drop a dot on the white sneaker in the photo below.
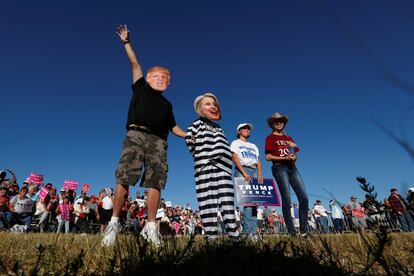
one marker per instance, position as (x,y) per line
(150,233)
(110,233)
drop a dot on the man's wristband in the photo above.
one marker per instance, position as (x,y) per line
(126,42)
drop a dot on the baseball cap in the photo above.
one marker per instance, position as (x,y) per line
(243,125)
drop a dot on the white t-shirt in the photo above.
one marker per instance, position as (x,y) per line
(320,211)
(247,152)
(107,203)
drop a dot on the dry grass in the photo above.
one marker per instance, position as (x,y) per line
(51,254)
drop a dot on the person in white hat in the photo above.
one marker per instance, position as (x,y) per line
(281,150)
(213,167)
(246,159)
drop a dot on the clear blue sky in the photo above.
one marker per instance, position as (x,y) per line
(65,84)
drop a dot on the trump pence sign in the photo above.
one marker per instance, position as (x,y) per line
(251,193)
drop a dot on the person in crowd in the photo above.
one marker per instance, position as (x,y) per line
(32,192)
(390,217)
(238,218)
(82,195)
(294,211)
(410,201)
(107,207)
(373,212)
(337,216)
(260,221)
(282,151)
(93,209)
(4,206)
(71,194)
(42,212)
(2,176)
(150,119)
(132,219)
(321,216)
(245,156)
(64,212)
(212,166)
(356,214)
(13,190)
(81,211)
(62,194)
(21,210)
(49,186)
(399,207)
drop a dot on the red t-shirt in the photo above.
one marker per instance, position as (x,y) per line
(277,145)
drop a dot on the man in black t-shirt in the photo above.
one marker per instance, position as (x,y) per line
(150,119)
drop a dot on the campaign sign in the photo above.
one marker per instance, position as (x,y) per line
(160,213)
(43,193)
(35,178)
(70,185)
(358,213)
(85,187)
(168,204)
(141,202)
(251,193)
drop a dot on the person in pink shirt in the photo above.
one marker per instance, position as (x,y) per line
(65,211)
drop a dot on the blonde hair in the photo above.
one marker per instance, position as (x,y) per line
(158,68)
(199,99)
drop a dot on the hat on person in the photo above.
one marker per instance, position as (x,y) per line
(352,197)
(243,125)
(62,190)
(411,189)
(276,117)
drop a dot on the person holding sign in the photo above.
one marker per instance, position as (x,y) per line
(150,119)
(245,156)
(213,166)
(356,214)
(281,150)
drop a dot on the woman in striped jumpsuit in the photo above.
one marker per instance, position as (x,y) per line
(212,167)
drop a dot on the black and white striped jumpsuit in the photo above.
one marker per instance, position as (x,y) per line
(212,171)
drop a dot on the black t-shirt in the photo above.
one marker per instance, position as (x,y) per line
(150,109)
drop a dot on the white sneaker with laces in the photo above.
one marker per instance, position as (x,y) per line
(110,233)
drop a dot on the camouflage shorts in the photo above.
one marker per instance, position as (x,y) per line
(143,151)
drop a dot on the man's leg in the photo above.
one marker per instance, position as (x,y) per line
(121,194)
(153,202)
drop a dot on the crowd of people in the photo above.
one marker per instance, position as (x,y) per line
(216,163)
(63,211)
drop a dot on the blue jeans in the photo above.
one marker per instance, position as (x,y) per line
(406,222)
(286,176)
(13,218)
(338,224)
(323,222)
(249,212)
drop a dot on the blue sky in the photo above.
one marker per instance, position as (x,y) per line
(65,84)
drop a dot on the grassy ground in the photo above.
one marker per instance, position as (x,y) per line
(51,254)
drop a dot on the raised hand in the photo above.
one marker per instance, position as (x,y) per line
(123,33)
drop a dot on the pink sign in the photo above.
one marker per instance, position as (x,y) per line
(35,178)
(43,193)
(358,213)
(86,187)
(70,185)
